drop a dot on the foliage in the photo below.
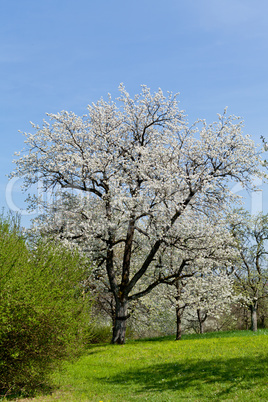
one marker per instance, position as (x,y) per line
(30,342)
(98,333)
(42,311)
(132,177)
(209,367)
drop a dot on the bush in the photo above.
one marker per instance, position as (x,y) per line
(29,344)
(100,334)
(43,311)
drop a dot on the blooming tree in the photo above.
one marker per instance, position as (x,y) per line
(200,270)
(137,168)
(209,294)
(251,235)
(152,315)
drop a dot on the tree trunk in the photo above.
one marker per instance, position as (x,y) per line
(254,320)
(246,319)
(262,321)
(201,320)
(179,312)
(120,324)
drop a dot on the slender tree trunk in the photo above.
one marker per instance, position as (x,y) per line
(179,310)
(262,321)
(201,320)
(201,330)
(246,320)
(254,318)
(120,323)
(179,313)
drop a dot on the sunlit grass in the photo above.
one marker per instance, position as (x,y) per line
(229,366)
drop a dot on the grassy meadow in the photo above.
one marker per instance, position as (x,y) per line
(230,366)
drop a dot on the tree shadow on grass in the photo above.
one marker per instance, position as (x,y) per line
(227,375)
(154,339)
(206,335)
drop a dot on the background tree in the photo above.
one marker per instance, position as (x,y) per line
(251,235)
(208,295)
(263,312)
(204,292)
(152,315)
(138,168)
(196,268)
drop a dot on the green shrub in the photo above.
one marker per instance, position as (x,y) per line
(99,334)
(43,311)
(30,342)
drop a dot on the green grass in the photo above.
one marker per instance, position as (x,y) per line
(230,366)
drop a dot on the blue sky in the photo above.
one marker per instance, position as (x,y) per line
(62,54)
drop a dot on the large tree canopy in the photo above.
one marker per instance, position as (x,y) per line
(141,175)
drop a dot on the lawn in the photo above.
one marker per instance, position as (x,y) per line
(229,366)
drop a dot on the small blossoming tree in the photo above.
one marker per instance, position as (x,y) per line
(251,273)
